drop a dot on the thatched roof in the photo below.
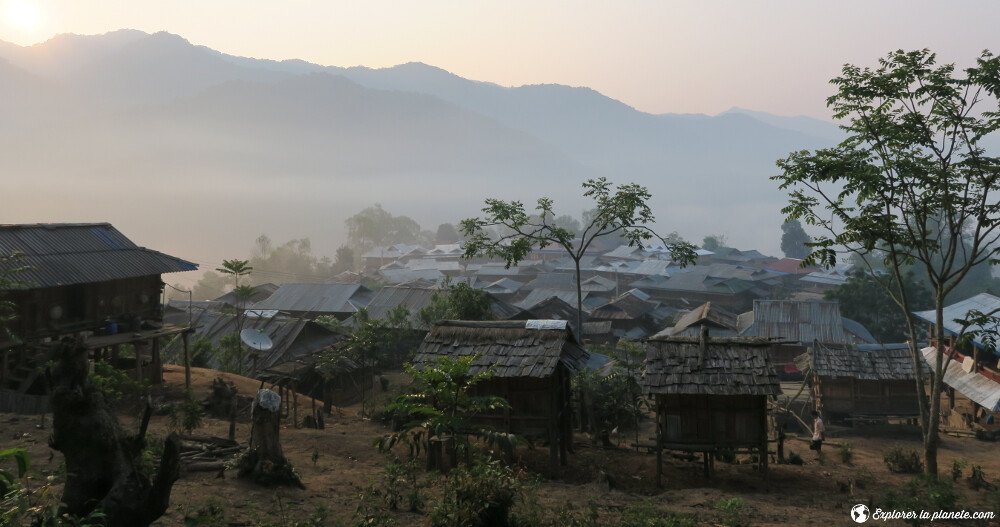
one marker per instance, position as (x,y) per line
(513,348)
(720,366)
(879,363)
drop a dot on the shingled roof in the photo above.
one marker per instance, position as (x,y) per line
(519,348)
(879,363)
(726,366)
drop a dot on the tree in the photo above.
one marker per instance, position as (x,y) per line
(712,242)
(375,227)
(794,240)
(457,301)
(291,262)
(623,211)
(442,408)
(212,285)
(864,298)
(446,234)
(10,265)
(238,269)
(344,260)
(910,185)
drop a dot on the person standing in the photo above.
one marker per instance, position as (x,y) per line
(819,433)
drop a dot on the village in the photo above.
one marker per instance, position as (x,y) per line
(701,375)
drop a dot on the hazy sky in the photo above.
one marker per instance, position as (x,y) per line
(659,56)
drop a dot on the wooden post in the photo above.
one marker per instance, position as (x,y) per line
(232,417)
(114,355)
(138,363)
(187,359)
(3,368)
(295,406)
(659,445)
(157,373)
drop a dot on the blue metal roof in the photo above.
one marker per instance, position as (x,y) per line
(59,254)
(983,302)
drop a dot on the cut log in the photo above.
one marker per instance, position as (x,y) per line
(101,458)
(265,463)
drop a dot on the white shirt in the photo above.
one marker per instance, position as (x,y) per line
(818,429)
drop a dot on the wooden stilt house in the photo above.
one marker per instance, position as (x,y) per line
(532,362)
(711,394)
(863,382)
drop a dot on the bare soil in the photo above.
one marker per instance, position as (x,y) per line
(337,463)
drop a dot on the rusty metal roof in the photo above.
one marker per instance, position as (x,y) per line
(59,254)
(511,348)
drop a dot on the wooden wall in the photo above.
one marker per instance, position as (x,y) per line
(724,421)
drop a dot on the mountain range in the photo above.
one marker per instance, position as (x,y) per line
(196,152)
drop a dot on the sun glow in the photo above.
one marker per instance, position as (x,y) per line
(23,14)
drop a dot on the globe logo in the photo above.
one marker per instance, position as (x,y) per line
(859,513)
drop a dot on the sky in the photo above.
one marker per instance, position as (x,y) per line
(659,56)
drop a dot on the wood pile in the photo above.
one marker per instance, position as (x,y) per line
(208,454)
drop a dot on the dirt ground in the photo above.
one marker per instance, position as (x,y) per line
(336,464)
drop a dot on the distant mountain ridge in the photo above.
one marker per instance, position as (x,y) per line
(148,112)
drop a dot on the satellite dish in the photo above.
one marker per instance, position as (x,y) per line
(256,340)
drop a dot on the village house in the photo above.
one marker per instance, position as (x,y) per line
(83,280)
(972,373)
(711,394)
(531,363)
(864,382)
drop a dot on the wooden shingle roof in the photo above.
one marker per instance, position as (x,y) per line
(722,366)
(881,363)
(513,348)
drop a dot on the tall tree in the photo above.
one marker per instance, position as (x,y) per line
(622,211)
(290,262)
(911,184)
(864,298)
(712,242)
(344,260)
(794,240)
(376,227)
(238,269)
(446,234)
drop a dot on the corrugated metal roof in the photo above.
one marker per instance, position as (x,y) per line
(292,337)
(387,298)
(729,366)
(319,299)
(59,254)
(983,302)
(980,389)
(796,321)
(539,295)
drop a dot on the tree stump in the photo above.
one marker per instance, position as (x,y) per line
(264,463)
(101,458)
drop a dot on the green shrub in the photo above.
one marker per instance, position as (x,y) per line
(977,480)
(480,495)
(732,512)
(903,461)
(645,514)
(921,493)
(846,452)
(116,385)
(957,467)
(187,415)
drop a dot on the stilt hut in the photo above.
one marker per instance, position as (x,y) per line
(532,362)
(710,394)
(864,382)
